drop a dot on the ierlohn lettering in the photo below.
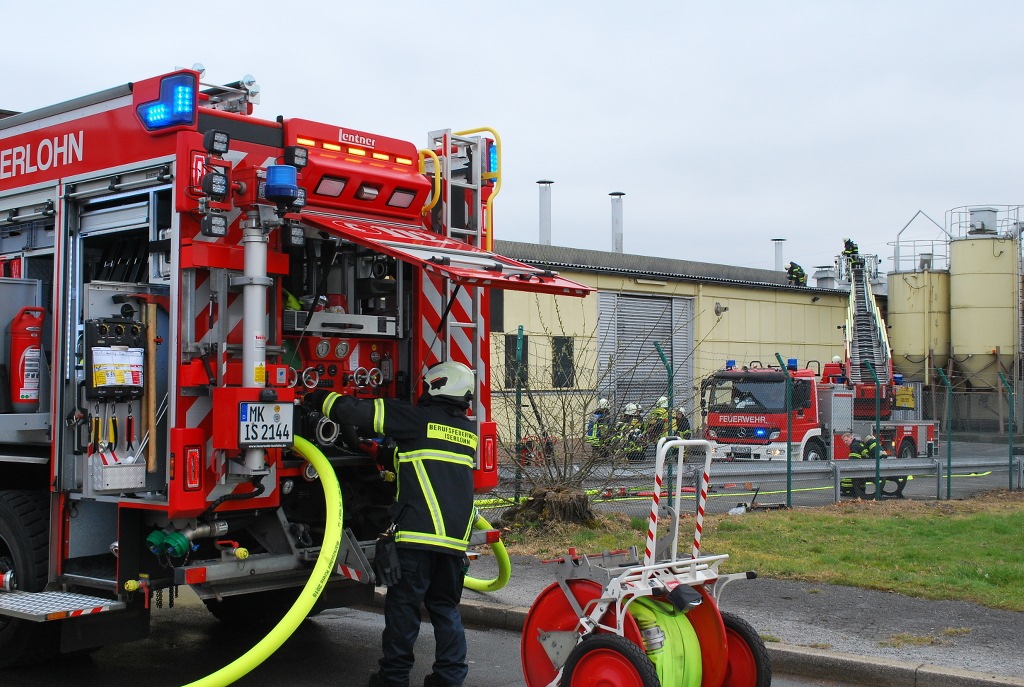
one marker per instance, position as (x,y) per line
(41,155)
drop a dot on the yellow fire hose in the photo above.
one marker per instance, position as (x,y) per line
(321,573)
(500,556)
(317,581)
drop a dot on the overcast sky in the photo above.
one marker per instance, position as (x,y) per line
(725,123)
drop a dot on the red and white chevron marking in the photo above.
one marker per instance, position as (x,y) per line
(351,573)
(87,611)
(652,524)
(702,500)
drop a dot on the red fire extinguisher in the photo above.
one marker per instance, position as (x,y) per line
(24,342)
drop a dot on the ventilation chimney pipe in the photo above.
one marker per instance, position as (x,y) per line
(545,211)
(778,254)
(616,220)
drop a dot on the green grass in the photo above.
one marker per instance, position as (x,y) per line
(969,550)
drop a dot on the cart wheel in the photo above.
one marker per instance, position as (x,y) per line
(748,663)
(552,612)
(609,661)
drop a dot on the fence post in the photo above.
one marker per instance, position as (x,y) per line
(789,432)
(671,384)
(519,413)
(669,409)
(878,431)
(949,432)
(1009,390)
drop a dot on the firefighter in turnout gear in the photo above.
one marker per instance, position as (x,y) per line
(851,253)
(628,436)
(795,275)
(682,427)
(859,448)
(657,422)
(433,515)
(599,427)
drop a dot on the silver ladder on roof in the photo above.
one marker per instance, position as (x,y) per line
(459,215)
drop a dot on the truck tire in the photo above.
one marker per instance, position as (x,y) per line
(815,450)
(24,549)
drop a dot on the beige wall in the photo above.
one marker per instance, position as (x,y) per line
(758,324)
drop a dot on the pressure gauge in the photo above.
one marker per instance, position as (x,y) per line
(341,350)
(375,357)
(323,348)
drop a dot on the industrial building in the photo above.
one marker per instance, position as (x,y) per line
(952,305)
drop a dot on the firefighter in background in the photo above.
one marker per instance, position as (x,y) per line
(628,437)
(656,424)
(851,254)
(795,275)
(599,427)
(682,427)
(859,448)
(433,515)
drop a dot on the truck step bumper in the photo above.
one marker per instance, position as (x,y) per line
(42,606)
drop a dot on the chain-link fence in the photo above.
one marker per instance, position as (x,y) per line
(975,452)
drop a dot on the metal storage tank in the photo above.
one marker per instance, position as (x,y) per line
(919,321)
(984,262)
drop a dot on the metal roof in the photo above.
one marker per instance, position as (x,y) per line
(643,266)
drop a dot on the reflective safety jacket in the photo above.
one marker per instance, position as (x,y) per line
(864,448)
(597,427)
(434,464)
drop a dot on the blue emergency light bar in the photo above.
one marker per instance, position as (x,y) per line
(176,105)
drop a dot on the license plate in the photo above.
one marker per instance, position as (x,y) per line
(265,425)
(741,450)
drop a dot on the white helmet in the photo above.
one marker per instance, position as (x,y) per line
(602,403)
(836,359)
(663,402)
(632,409)
(681,410)
(450,381)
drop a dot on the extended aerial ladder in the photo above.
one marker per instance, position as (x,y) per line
(866,338)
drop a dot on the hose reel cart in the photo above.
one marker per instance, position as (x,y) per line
(618,619)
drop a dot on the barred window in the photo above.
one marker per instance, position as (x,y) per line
(563,369)
(516,371)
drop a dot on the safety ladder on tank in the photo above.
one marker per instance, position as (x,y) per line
(459,216)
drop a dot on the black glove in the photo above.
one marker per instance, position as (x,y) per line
(314,400)
(386,566)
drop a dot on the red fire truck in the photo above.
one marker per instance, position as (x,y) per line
(195,269)
(746,415)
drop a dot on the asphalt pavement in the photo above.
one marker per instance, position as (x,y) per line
(827,631)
